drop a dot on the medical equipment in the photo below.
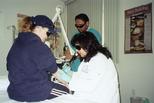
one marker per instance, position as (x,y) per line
(57,16)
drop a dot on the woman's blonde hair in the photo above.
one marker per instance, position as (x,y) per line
(25,25)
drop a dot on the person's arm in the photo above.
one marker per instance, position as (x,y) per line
(56,76)
(43,58)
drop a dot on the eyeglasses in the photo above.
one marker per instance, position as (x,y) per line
(79,26)
(77,47)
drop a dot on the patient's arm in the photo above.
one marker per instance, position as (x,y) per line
(56,75)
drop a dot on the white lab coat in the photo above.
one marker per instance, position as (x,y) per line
(96,80)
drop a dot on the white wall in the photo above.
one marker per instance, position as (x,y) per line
(136,71)
(8,17)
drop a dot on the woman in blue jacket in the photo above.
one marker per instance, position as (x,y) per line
(29,62)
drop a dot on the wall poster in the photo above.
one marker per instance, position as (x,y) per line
(138,29)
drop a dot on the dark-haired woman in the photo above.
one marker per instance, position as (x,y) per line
(96,79)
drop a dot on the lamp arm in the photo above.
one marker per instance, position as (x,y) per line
(57,15)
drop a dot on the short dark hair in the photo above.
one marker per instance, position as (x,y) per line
(82,16)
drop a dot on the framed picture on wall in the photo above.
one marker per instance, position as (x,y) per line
(138,29)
